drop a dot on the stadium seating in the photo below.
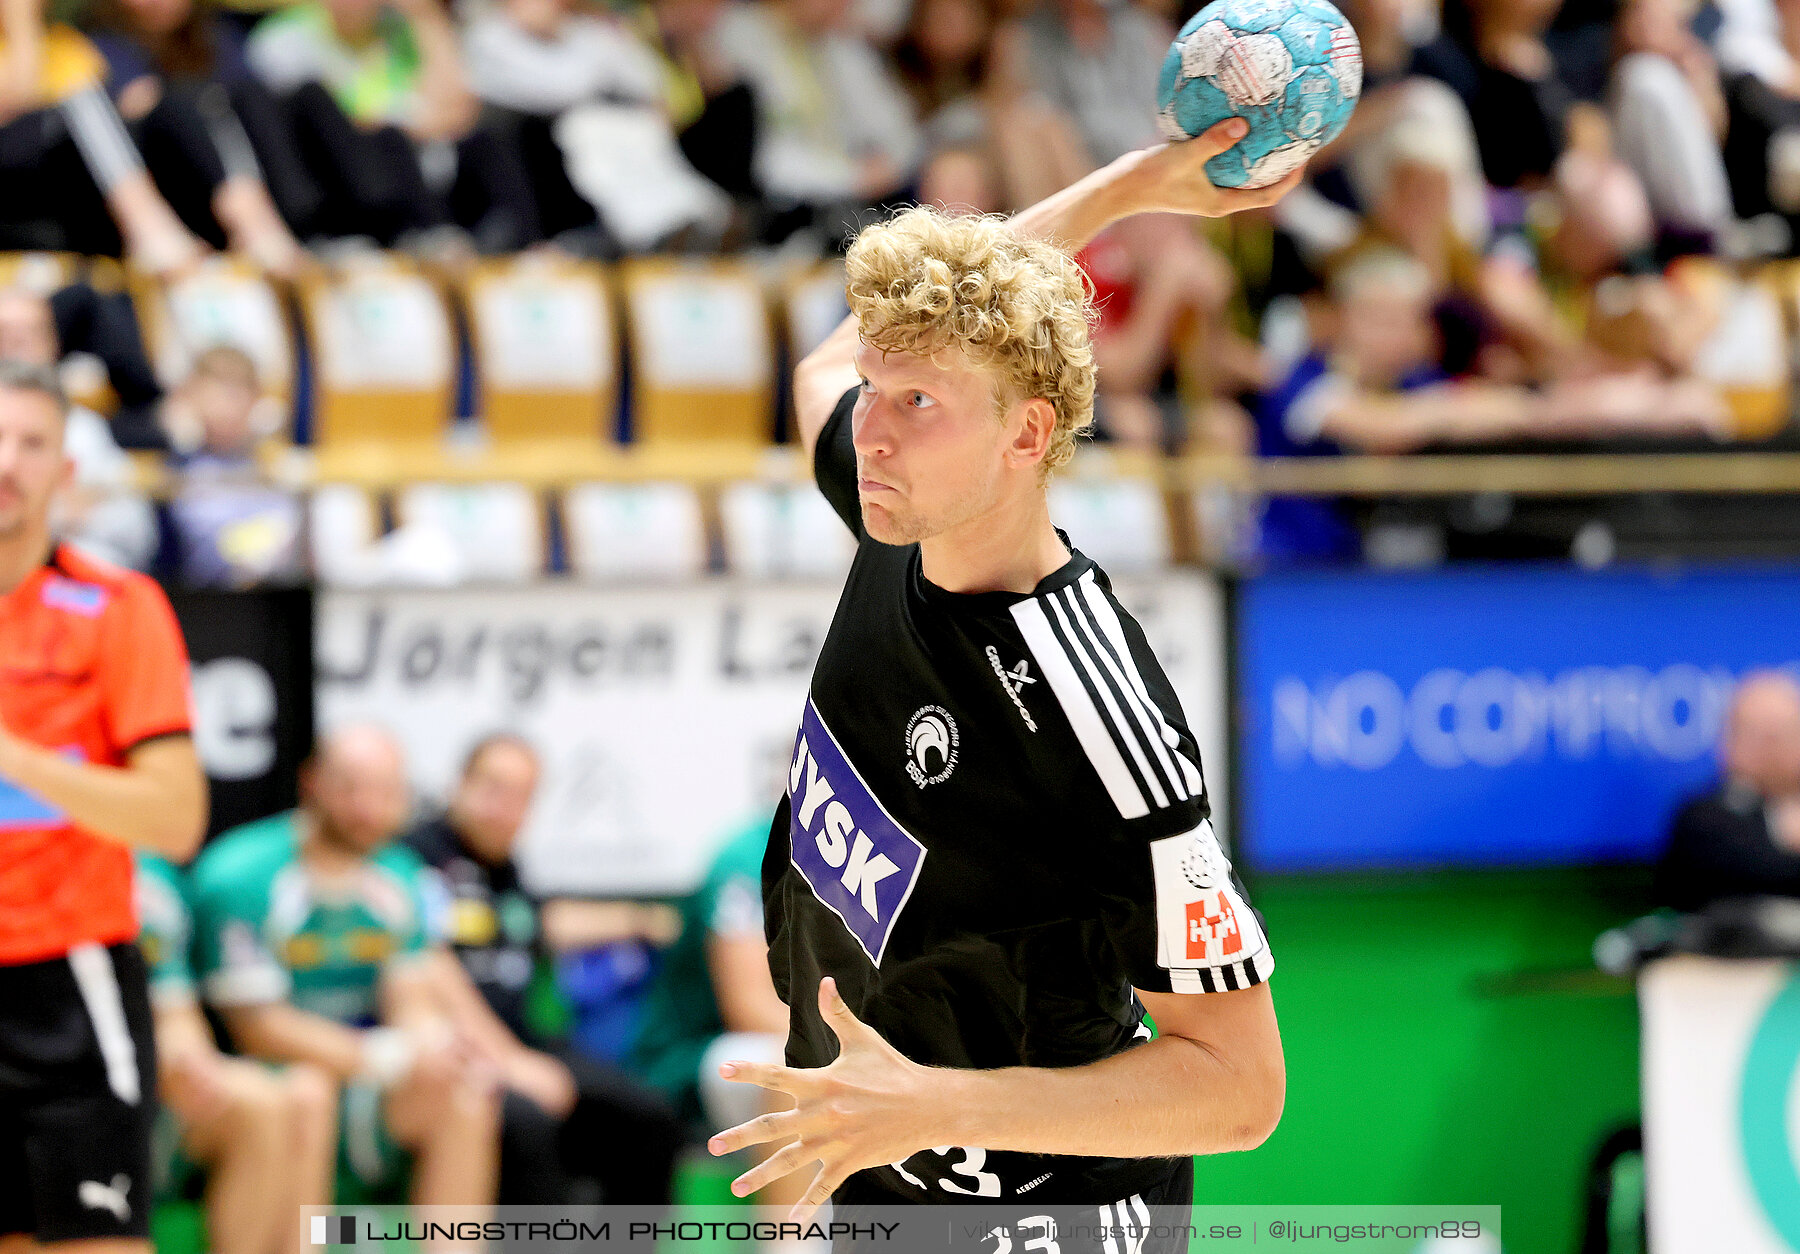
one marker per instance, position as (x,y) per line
(546,348)
(224,301)
(650,531)
(493,531)
(343,525)
(38,272)
(701,358)
(384,353)
(782,531)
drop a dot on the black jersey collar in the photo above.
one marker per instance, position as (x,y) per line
(999,602)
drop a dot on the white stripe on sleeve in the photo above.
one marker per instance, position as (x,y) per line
(1072,695)
(1108,619)
(1083,648)
(1118,663)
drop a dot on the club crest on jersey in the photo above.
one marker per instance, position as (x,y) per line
(857,860)
(931,745)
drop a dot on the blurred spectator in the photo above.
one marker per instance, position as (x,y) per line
(1161,292)
(1742,838)
(580,97)
(100,511)
(265,1136)
(714,1001)
(566,1117)
(233,528)
(1494,56)
(1411,177)
(993,144)
(1594,313)
(74,179)
(380,101)
(1756,42)
(705,96)
(1669,116)
(1408,165)
(1362,392)
(1095,61)
(101,321)
(178,77)
(312,943)
(836,132)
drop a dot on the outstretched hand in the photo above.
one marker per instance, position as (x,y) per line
(870,1107)
(1171,178)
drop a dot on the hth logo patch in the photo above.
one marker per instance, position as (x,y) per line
(857,860)
(1213,935)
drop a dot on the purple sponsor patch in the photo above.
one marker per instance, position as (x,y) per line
(85,599)
(858,861)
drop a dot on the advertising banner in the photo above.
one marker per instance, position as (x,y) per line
(666,716)
(252,684)
(1721,1048)
(1489,716)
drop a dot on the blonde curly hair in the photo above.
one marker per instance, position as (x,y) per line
(924,282)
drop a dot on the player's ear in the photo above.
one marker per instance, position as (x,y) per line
(1036,418)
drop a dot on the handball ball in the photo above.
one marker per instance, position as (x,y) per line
(1292,69)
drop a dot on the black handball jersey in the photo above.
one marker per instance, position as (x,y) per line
(995,828)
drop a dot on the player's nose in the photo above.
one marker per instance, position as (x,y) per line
(872,435)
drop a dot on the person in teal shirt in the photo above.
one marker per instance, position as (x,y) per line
(713,999)
(265,1136)
(313,941)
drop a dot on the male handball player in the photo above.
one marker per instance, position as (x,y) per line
(995,854)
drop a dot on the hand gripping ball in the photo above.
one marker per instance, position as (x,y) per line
(1292,69)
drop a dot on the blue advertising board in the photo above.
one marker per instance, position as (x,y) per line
(1489,716)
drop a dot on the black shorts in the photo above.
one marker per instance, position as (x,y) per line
(1153,1220)
(77,1095)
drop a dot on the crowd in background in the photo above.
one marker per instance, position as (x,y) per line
(1547,222)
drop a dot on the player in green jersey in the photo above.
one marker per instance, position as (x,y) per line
(312,942)
(265,1137)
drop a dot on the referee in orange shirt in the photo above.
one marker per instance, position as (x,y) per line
(96,759)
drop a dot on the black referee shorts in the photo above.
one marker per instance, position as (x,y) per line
(77,1095)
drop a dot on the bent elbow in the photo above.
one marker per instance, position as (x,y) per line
(178,837)
(1261,1113)
(1273,1100)
(1252,1133)
(184,841)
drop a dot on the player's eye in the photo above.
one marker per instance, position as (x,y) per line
(864,386)
(920,401)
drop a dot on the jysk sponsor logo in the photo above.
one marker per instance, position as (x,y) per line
(857,860)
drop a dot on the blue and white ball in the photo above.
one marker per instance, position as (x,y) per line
(1291,68)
